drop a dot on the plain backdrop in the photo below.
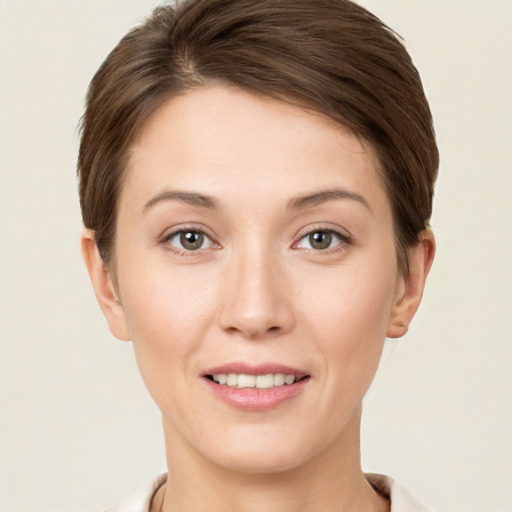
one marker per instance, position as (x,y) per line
(77,428)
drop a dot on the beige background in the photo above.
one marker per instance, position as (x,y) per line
(77,428)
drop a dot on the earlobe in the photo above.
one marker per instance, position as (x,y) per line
(412,285)
(103,286)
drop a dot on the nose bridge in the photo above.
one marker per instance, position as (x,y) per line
(255,304)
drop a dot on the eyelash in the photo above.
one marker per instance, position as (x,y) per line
(342,240)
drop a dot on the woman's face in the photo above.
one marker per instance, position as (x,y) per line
(254,239)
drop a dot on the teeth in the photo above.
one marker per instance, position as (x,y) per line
(246,381)
(289,379)
(242,380)
(265,381)
(279,379)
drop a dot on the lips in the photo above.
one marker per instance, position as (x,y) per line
(255,388)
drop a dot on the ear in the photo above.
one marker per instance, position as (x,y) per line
(104,288)
(411,286)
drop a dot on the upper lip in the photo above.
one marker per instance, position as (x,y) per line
(258,369)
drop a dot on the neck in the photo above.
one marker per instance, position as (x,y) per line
(331,481)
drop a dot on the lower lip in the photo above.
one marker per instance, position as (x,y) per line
(254,399)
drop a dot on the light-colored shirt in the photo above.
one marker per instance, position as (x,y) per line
(401,500)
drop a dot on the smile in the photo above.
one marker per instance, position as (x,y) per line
(255,388)
(242,380)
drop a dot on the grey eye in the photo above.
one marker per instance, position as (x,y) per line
(320,240)
(190,240)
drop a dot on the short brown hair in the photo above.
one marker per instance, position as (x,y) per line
(332,56)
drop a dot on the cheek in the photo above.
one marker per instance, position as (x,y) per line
(168,313)
(348,316)
(356,297)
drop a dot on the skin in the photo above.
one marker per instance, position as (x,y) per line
(257,291)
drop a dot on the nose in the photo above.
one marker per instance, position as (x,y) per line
(257,301)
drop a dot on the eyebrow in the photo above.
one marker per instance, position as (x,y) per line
(182,196)
(302,202)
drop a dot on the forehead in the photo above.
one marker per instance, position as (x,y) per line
(224,140)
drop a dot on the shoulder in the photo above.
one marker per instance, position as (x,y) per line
(140,500)
(401,499)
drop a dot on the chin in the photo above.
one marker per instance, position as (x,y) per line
(264,452)
(263,460)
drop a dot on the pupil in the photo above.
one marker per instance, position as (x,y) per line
(320,240)
(192,240)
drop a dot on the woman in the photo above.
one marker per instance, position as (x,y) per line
(256,182)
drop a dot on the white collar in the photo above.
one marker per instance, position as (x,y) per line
(401,499)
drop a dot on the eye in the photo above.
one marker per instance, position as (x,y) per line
(189,240)
(321,240)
